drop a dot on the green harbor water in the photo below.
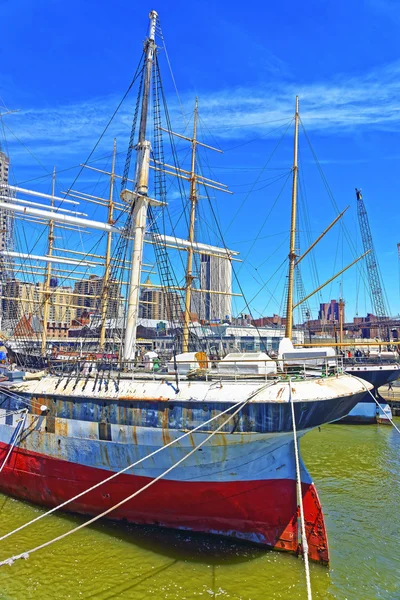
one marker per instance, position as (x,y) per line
(357,473)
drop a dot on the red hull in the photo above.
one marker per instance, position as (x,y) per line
(263,512)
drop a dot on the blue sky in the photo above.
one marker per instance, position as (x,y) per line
(66,65)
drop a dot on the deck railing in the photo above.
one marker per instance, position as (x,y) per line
(210,369)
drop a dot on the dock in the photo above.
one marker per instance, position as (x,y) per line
(392,395)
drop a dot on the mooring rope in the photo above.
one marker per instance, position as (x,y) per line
(25,555)
(300,498)
(16,435)
(238,405)
(114,475)
(15,396)
(131,466)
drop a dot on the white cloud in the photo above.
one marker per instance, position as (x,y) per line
(343,104)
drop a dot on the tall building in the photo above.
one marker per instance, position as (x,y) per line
(6,217)
(6,228)
(215,275)
(329,311)
(90,293)
(159,304)
(20,298)
(269,321)
(61,305)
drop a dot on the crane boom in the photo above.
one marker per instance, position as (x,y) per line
(371,260)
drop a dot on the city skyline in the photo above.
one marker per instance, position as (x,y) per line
(348,114)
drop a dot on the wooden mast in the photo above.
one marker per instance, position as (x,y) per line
(292,253)
(106,281)
(189,266)
(191,245)
(46,303)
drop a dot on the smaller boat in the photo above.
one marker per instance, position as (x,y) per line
(377,372)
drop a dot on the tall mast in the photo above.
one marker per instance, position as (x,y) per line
(341,319)
(189,266)
(140,200)
(106,281)
(292,252)
(46,295)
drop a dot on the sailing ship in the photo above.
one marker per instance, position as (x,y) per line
(212,449)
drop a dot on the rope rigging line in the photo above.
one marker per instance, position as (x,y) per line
(131,144)
(266,219)
(26,147)
(262,237)
(62,279)
(273,253)
(268,182)
(160,34)
(305,217)
(221,128)
(94,249)
(182,191)
(300,498)
(181,187)
(11,412)
(136,75)
(166,272)
(26,555)
(214,139)
(138,71)
(335,261)
(114,475)
(265,284)
(122,248)
(102,157)
(304,308)
(334,204)
(233,270)
(258,177)
(273,293)
(14,396)
(259,137)
(28,343)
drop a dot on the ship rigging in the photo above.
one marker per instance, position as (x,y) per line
(104,417)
